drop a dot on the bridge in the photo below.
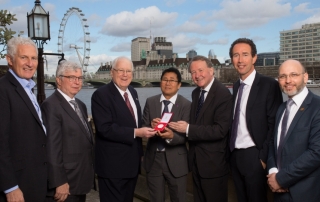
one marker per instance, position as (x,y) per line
(136,82)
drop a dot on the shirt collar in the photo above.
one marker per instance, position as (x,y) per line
(23,82)
(172,99)
(209,85)
(249,80)
(121,91)
(65,95)
(299,98)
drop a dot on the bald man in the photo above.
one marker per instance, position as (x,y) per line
(294,152)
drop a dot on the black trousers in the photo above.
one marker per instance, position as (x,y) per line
(116,190)
(248,175)
(70,198)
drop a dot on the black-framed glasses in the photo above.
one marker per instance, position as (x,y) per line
(168,81)
(122,71)
(292,76)
(74,78)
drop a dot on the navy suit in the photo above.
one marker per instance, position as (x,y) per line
(300,156)
(22,143)
(118,153)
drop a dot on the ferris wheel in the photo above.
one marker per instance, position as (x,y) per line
(75,35)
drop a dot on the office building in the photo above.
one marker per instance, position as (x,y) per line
(139,47)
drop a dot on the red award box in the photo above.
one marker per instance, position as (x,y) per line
(166,117)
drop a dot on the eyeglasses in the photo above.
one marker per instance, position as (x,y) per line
(291,76)
(74,78)
(168,81)
(122,71)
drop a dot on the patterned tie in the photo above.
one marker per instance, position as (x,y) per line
(77,110)
(129,105)
(235,122)
(161,141)
(200,102)
(284,128)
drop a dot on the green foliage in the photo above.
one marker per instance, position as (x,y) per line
(5,33)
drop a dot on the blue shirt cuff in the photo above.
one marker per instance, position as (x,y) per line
(12,189)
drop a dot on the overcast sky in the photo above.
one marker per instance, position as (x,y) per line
(202,25)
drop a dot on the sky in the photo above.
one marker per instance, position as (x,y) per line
(202,25)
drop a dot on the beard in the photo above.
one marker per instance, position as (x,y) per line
(293,92)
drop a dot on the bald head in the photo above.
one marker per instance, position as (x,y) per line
(292,77)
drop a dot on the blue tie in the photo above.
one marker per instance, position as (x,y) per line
(200,102)
(235,123)
(161,142)
(284,128)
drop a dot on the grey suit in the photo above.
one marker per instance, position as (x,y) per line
(175,151)
(69,146)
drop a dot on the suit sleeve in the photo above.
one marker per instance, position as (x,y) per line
(109,120)
(146,119)
(52,120)
(220,120)
(274,101)
(7,171)
(308,161)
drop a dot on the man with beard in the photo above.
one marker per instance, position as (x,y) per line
(294,152)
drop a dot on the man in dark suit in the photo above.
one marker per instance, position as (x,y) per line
(256,99)
(70,139)
(117,116)
(210,118)
(294,153)
(23,170)
(165,159)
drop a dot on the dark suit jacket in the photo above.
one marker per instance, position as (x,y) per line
(118,153)
(264,99)
(300,156)
(176,150)
(22,143)
(209,133)
(70,150)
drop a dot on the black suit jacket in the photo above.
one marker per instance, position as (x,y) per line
(300,155)
(264,99)
(70,148)
(209,133)
(118,153)
(176,150)
(22,143)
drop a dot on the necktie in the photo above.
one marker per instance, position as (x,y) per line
(129,105)
(235,122)
(284,128)
(161,142)
(77,110)
(200,102)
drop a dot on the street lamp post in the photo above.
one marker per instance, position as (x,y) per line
(39,30)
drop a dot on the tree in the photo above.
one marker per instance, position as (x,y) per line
(5,33)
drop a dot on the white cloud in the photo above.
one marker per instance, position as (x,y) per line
(312,19)
(221,41)
(199,16)
(182,43)
(250,13)
(302,8)
(95,20)
(137,23)
(192,27)
(121,47)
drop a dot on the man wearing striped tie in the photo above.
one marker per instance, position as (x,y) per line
(207,133)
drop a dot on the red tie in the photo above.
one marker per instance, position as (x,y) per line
(129,105)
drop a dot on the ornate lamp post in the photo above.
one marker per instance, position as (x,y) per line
(39,30)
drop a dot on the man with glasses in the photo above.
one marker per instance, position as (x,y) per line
(69,138)
(294,152)
(117,116)
(165,159)
(256,100)
(207,133)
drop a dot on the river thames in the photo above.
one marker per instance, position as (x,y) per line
(85,94)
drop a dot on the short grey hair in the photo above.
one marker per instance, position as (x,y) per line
(200,58)
(66,66)
(14,42)
(115,61)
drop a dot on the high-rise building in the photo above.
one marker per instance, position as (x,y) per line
(139,47)
(267,59)
(162,47)
(301,44)
(192,53)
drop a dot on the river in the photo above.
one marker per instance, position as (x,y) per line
(85,94)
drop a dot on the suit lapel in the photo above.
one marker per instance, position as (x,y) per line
(22,93)
(175,108)
(136,101)
(158,106)
(252,98)
(278,118)
(194,105)
(208,100)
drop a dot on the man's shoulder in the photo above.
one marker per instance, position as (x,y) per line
(266,79)
(155,97)
(182,99)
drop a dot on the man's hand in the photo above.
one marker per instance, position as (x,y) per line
(144,132)
(263,164)
(274,185)
(15,196)
(62,192)
(179,126)
(166,133)
(154,122)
